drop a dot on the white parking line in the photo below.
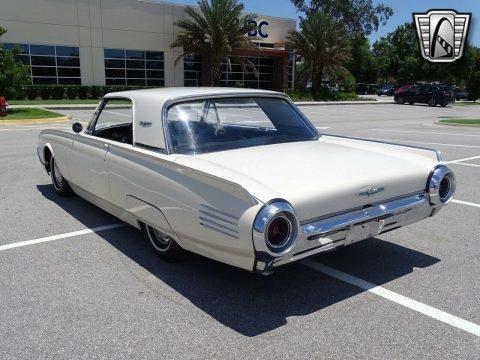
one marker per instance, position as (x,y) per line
(462,160)
(61,236)
(425,132)
(116,113)
(323,127)
(461,202)
(464,164)
(422,142)
(424,309)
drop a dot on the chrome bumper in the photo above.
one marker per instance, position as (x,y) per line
(348,228)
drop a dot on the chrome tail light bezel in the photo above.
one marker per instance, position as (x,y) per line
(274,210)
(440,177)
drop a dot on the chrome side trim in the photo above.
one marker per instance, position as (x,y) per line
(322,227)
(219,211)
(438,153)
(218,230)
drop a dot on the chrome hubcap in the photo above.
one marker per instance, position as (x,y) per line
(160,240)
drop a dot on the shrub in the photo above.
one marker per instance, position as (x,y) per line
(57,92)
(72,92)
(45,92)
(95,92)
(82,92)
(30,92)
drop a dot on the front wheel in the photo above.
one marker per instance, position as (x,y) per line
(411,102)
(164,245)
(444,104)
(432,102)
(400,100)
(60,184)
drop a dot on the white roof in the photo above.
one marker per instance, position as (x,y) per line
(148,107)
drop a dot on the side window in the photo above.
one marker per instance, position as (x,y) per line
(115,121)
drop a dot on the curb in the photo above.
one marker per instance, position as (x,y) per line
(35,121)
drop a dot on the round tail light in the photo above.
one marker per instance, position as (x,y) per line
(279,232)
(275,229)
(441,186)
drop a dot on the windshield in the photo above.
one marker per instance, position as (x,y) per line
(224,124)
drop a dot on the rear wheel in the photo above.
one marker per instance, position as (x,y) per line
(164,245)
(432,102)
(400,100)
(60,184)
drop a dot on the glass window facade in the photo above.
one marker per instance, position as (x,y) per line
(134,67)
(240,75)
(192,67)
(234,75)
(50,64)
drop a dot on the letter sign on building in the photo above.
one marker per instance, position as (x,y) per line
(259,29)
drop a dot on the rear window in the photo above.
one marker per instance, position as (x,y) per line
(223,124)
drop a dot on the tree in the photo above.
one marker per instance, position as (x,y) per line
(359,16)
(214,31)
(399,59)
(13,73)
(398,55)
(323,44)
(362,65)
(473,82)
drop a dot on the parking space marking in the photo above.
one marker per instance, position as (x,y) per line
(462,160)
(61,236)
(461,202)
(422,308)
(422,142)
(323,127)
(464,164)
(425,132)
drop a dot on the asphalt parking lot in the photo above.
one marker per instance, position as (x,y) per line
(95,290)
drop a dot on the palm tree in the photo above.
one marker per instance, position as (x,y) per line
(323,44)
(214,31)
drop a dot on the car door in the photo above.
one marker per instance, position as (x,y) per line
(420,94)
(89,155)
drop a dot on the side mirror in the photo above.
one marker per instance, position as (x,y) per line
(77,127)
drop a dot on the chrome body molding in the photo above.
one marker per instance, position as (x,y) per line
(348,228)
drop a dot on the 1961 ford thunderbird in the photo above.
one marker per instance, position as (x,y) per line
(240,176)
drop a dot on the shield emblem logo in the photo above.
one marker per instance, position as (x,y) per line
(442,34)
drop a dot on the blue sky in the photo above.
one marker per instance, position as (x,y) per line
(402,11)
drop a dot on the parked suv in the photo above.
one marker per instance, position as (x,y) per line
(426,94)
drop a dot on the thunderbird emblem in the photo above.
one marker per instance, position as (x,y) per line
(145,124)
(369,191)
(442,34)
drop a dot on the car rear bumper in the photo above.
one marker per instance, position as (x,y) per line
(345,229)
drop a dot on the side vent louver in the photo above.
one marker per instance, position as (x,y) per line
(219,221)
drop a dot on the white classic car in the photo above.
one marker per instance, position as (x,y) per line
(240,176)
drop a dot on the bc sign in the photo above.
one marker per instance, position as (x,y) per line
(260,29)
